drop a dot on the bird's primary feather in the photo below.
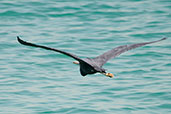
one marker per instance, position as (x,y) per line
(102,59)
(48,48)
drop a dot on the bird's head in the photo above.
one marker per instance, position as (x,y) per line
(76,62)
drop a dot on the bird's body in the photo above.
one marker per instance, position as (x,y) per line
(93,65)
(89,66)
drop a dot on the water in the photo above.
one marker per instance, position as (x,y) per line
(37,81)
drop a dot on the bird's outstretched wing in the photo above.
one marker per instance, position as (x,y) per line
(102,59)
(48,48)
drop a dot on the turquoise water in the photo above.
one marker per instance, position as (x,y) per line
(37,81)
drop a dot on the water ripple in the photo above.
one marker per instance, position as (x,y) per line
(39,81)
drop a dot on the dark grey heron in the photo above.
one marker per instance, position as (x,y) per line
(93,65)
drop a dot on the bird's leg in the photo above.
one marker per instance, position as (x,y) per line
(76,62)
(108,74)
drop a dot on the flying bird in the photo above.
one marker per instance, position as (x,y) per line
(93,65)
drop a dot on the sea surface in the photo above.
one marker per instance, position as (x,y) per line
(37,81)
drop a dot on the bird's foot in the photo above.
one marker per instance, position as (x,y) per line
(108,75)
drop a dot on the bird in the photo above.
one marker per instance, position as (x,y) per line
(93,65)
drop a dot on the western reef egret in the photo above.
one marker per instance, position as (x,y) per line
(93,65)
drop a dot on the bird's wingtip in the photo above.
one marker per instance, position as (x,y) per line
(164,38)
(18,38)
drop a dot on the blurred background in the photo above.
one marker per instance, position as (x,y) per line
(37,81)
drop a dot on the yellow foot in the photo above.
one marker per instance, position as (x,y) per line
(108,75)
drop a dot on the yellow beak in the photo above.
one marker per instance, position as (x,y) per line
(76,62)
